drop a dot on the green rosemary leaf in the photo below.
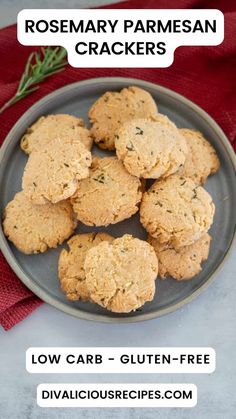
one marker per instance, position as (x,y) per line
(51,56)
(39,66)
(25,75)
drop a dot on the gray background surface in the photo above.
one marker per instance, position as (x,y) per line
(207,321)
(10,8)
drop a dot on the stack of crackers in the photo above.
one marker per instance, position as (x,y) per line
(64,185)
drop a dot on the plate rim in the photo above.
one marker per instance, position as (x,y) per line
(77,312)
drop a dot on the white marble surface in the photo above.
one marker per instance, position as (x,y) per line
(207,321)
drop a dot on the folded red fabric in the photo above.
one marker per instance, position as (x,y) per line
(205,75)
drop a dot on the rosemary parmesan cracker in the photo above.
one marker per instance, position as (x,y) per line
(112,109)
(51,128)
(201,160)
(183,263)
(52,174)
(71,264)
(176,211)
(35,228)
(120,275)
(151,148)
(109,195)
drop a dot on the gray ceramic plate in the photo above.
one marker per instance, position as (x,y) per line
(39,272)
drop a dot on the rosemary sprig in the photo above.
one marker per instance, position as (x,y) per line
(38,67)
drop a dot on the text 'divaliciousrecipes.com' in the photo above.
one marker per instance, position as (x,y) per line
(116,395)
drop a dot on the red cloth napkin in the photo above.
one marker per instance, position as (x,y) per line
(205,75)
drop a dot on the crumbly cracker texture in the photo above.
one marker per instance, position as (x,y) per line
(35,228)
(109,195)
(184,263)
(151,148)
(120,276)
(52,174)
(176,211)
(71,264)
(201,160)
(112,109)
(50,128)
